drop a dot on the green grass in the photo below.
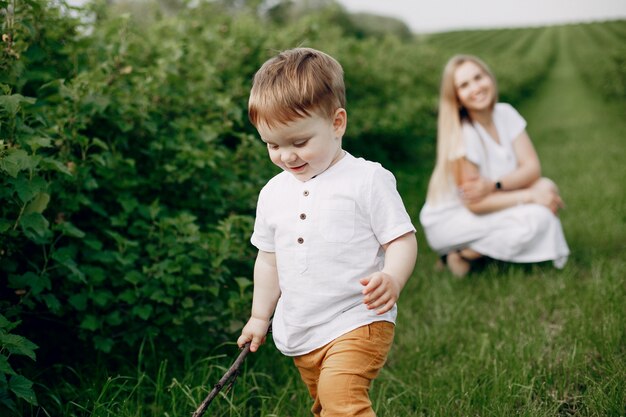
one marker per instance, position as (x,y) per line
(529,340)
(512,340)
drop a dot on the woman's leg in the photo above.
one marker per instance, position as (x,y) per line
(457,265)
(460,261)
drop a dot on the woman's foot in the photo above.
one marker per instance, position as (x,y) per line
(458,265)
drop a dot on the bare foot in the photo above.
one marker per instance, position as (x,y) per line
(470,254)
(457,265)
(440,266)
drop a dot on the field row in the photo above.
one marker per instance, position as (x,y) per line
(599,51)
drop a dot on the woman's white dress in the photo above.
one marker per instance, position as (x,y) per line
(524,233)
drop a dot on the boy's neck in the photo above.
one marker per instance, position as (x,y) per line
(340,155)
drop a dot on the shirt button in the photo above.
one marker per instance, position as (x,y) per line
(303,216)
(306,193)
(300,240)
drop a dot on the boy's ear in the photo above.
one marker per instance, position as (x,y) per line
(340,122)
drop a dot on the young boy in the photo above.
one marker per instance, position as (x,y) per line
(336,244)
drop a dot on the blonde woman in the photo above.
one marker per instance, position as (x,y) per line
(486,196)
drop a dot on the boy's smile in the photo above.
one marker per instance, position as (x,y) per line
(306,147)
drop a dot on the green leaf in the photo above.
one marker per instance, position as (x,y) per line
(214,290)
(35,282)
(195,269)
(38,204)
(102,297)
(55,87)
(40,283)
(78,301)
(38,142)
(103,343)
(128,203)
(100,144)
(90,322)
(35,227)
(52,302)
(18,345)
(143,311)
(93,244)
(243,283)
(94,275)
(187,302)
(54,165)
(128,296)
(6,324)
(29,189)
(161,297)
(5,367)
(68,229)
(23,388)
(65,256)
(114,318)
(11,104)
(134,277)
(96,103)
(15,161)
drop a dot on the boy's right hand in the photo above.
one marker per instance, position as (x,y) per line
(254,332)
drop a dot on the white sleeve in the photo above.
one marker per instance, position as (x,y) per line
(511,121)
(388,216)
(263,235)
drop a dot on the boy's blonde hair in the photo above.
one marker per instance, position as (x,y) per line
(294,84)
(449,132)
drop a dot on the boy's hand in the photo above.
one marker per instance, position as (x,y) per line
(254,332)
(381,290)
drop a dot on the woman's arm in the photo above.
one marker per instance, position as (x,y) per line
(489,200)
(528,171)
(542,191)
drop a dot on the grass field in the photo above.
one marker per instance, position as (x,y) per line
(529,340)
(512,340)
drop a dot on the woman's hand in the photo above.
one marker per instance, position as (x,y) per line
(474,190)
(546,193)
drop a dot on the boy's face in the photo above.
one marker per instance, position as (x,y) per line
(308,146)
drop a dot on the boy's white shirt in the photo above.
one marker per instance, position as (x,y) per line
(342,217)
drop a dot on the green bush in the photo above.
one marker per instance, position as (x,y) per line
(129,186)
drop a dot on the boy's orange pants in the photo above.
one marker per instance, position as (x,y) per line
(339,374)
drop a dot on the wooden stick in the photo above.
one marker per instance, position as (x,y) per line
(229,378)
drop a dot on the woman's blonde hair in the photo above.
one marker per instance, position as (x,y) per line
(295,83)
(449,133)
